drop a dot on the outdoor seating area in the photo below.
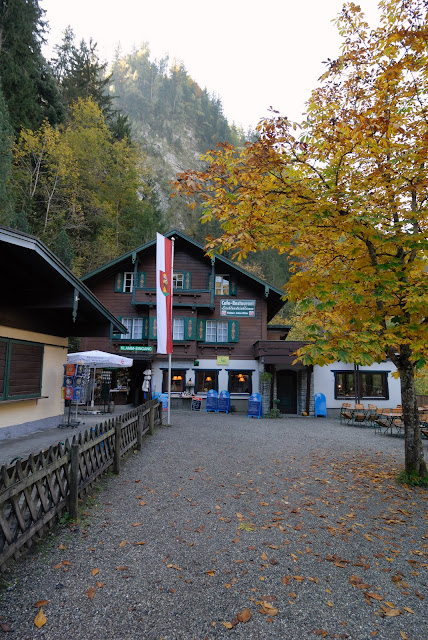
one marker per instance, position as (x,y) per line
(382,420)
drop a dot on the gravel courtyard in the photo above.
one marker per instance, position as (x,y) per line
(229,527)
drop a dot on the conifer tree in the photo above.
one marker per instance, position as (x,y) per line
(28,86)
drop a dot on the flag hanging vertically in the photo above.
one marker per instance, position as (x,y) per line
(164,294)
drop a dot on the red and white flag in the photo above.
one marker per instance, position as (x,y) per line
(164,293)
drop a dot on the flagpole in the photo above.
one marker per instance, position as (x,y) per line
(172,322)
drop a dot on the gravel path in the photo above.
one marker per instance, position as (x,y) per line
(287,529)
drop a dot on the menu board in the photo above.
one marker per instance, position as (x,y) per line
(196,403)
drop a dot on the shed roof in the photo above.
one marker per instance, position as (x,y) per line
(39,293)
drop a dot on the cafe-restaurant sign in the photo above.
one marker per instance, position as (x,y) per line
(241,308)
(135,347)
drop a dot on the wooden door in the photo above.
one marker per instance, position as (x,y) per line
(287,391)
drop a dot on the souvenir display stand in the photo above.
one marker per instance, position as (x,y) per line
(72,390)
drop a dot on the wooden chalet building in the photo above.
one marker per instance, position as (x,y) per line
(221,334)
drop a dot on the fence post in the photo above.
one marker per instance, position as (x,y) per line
(74,482)
(139,431)
(152,420)
(117,439)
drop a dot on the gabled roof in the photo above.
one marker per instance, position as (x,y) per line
(273,294)
(39,293)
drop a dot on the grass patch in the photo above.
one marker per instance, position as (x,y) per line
(412,480)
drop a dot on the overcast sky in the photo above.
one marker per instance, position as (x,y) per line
(252,54)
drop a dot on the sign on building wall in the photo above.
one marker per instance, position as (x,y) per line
(132,347)
(242,308)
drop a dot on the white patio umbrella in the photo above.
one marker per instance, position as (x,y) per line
(99,359)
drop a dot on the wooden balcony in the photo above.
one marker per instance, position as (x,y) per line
(278,352)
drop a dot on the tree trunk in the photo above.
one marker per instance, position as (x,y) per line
(413,454)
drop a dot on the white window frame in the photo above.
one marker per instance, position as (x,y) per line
(222,331)
(128,282)
(178,280)
(222,285)
(178,329)
(211,331)
(135,328)
(216,331)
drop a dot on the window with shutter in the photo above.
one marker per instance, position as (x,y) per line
(20,369)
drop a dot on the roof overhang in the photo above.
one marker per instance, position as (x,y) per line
(39,293)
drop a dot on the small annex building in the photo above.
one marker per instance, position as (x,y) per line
(223,338)
(42,304)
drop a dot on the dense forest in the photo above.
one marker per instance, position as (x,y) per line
(87,150)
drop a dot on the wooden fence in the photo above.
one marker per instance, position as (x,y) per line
(422,401)
(35,492)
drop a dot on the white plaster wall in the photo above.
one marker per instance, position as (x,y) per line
(324,383)
(55,356)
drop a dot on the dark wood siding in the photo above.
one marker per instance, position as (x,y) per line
(197,303)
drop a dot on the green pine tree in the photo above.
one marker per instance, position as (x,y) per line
(28,86)
(6,140)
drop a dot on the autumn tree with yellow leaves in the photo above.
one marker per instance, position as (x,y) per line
(345,194)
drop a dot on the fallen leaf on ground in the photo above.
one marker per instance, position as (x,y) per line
(268,609)
(40,619)
(94,572)
(91,592)
(40,603)
(244,616)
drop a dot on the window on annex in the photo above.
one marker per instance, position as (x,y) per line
(373,384)
(240,382)
(206,380)
(135,328)
(222,285)
(178,329)
(20,369)
(178,380)
(216,331)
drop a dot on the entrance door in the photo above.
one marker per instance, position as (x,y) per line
(287,391)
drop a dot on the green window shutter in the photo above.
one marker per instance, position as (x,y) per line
(118,282)
(187,276)
(141,280)
(189,328)
(233,289)
(233,331)
(152,328)
(145,328)
(201,330)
